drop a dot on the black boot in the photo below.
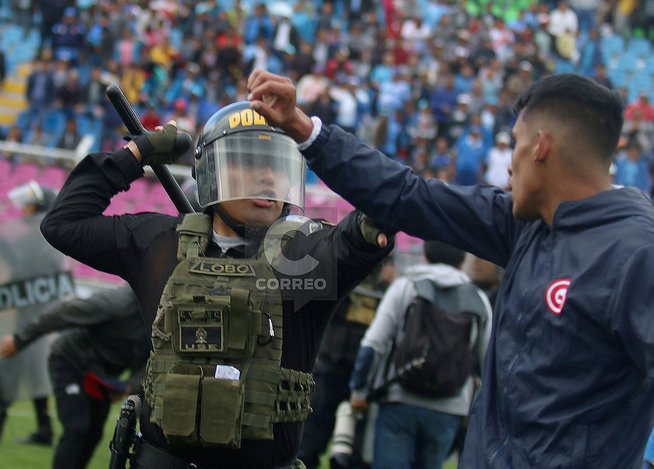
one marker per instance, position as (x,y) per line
(36,438)
(43,436)
(3,417)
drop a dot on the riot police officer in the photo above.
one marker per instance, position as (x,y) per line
(237,298)
(21,255)
(334,366)
(100,338)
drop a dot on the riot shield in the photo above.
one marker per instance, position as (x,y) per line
(33,275)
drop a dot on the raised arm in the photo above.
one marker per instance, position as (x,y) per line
(475,219)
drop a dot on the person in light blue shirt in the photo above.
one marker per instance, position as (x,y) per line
(470,154)
(632,169)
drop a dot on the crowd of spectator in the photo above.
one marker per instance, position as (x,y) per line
(429,82)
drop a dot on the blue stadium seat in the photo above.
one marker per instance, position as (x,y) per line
(639,83)
(627,62)
(23,122)
(649,65)
(613,44)
(639,46)
(54,122)
(618,77)
(84,124)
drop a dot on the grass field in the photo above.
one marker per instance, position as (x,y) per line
(21,422)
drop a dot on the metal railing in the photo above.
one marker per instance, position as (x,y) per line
(70,158)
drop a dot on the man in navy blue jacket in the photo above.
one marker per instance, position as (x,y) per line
(567,380)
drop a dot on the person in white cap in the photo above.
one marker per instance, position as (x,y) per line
(499,161)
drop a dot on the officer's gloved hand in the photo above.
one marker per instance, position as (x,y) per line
(159,147)
(371,233)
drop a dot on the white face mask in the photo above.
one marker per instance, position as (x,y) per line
(26,194)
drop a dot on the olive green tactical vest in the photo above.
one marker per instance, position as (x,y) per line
(363,305)
(214,375)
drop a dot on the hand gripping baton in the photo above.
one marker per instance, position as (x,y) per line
(134,127)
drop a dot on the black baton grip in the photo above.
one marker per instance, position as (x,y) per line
(125,110)
(183,143)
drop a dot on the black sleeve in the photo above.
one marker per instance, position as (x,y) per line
(78,312)
(330,262)
(477,219)
(76,226)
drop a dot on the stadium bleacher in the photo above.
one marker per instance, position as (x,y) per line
(629,62)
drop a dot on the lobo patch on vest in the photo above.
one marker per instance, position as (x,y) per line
(212,318)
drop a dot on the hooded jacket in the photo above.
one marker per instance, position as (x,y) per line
(568,374)
(388,327)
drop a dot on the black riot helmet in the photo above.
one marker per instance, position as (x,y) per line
(237,143)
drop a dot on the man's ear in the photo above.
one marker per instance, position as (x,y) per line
(543,146)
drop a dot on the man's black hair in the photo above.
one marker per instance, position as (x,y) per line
(593,110)
(441,253)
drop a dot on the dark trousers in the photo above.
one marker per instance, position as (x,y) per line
(3,416)
(81,416)
(42,417)
(331,389)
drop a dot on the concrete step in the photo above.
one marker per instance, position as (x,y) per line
(7,119)
(13,101)
(23,70)
(15,87)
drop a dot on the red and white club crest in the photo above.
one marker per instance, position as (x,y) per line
(556,293)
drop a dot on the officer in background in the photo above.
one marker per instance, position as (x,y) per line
(102,337)
(335,363)
(244,297)
(27,260)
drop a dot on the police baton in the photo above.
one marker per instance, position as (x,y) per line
(134,127)
(415,364)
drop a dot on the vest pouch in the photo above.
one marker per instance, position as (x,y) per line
(221,411)
(180,400)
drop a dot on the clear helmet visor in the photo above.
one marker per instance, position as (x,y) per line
(251,165)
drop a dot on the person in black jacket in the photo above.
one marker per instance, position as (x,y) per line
(101,337)
(335,363)
(249,176)
(30,257)
(570,359)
